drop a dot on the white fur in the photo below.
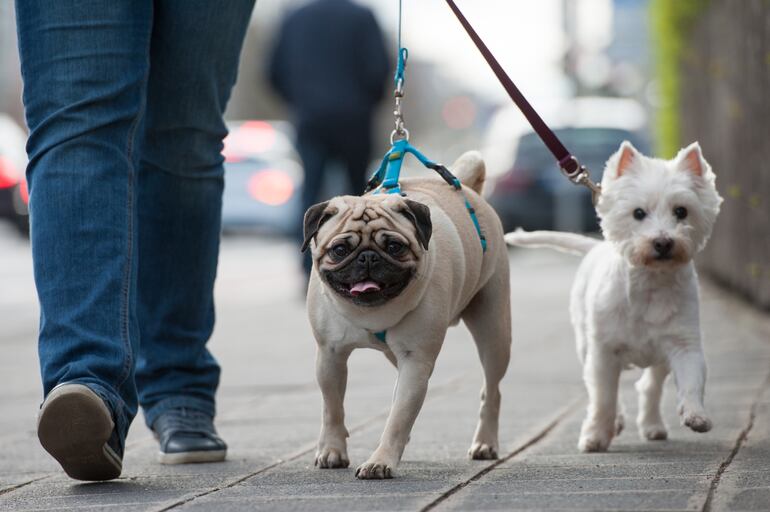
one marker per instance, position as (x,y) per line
(627,307)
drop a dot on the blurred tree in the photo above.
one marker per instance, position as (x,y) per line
(671,23)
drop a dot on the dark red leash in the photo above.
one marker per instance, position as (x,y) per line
(569,165)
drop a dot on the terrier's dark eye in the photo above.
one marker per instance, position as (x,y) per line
(339,251)
(680,212)
(639,214)
(395,248)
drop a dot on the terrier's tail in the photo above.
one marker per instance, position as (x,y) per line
(565,242)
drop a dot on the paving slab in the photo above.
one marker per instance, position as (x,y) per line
(269,411)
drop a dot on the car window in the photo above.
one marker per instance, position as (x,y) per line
(592,146)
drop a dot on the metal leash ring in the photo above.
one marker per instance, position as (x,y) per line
(581,176)
(399,134)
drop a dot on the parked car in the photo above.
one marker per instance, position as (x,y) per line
(534,194)
(14,197)
(263,178)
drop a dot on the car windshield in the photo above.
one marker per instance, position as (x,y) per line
(592,146)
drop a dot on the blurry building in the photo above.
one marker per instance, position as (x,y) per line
(608,47)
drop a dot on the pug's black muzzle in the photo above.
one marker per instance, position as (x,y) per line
(369,265)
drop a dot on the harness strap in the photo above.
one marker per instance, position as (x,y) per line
(476,224)
(385,179)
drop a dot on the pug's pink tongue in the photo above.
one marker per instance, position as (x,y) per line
(364,287)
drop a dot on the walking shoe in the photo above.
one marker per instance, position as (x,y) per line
(187,435)
(75,426)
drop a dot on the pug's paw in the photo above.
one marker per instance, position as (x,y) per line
(482,451)
(329,458)
(374,471)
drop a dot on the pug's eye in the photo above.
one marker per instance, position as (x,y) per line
(395,248)
(680,212)
(339,251)
(639,214)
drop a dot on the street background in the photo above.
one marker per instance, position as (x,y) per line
(663,73)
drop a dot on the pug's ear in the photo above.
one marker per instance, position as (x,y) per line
(419,215)
(315,216)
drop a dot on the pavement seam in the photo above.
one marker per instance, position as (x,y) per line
(739,442)
(12,488)
(439,390)
(539,436)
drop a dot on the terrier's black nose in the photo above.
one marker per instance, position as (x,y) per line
(663,246)
(368,258)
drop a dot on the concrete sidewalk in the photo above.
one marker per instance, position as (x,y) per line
(269,412)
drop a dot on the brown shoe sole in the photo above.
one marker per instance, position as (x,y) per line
(74,426)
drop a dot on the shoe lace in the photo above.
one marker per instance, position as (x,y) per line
(186,420)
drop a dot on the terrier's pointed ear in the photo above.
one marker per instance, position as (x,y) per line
(315,216)
(419,215)
(624,159)
(691,159)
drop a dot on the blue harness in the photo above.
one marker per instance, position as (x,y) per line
(386,181)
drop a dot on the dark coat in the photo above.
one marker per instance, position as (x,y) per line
(329,64)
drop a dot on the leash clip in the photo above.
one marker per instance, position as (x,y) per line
(580,176)
(400,132)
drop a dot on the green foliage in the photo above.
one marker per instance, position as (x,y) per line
(671,23)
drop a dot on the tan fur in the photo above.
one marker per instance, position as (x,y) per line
(471,171)
(454,280)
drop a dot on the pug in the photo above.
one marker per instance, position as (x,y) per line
(392,272)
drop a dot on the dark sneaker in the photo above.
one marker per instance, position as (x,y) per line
(75,426)
(186,435)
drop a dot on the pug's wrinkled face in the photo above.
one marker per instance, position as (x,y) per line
(368,249)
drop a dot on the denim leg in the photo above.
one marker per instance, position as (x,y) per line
(194,53)
(85,67)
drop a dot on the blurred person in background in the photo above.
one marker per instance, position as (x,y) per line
(330,65)
(124,101)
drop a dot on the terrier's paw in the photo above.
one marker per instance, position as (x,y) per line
(592,444)
(327,458)
(595,436)
(696,422)
(653,432)
(482,451)
(373,471)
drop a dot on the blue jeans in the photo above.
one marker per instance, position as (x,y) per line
(124,101)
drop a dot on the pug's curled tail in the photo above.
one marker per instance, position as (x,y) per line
(565,242)
(470,170)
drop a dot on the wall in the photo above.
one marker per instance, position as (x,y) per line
(724,102)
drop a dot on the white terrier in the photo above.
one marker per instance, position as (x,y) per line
(635,297)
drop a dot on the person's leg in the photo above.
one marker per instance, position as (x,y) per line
(356,153)
(194,54)
(313,151)
(85,67)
